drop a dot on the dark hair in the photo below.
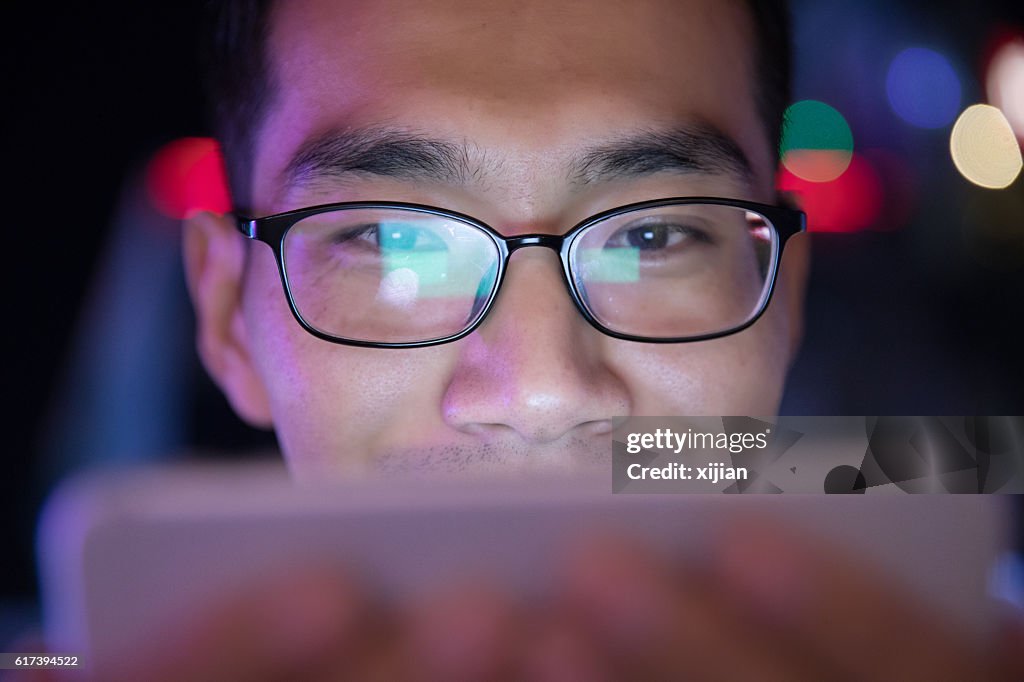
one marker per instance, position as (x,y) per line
(239,88)
(773,63)
(237,83)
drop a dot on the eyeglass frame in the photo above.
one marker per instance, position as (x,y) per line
(272,230)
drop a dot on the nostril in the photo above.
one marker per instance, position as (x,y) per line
(598,427)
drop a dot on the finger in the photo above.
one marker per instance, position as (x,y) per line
(842,608)
(374,653)
(555,648)
(655,619)
(469,632)
(272,632)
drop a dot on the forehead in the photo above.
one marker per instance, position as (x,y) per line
(525,82)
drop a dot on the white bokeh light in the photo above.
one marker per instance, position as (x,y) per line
(984,148)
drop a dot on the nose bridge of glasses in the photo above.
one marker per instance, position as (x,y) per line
(549,241)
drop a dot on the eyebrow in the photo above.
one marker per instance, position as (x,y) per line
(380,152)
(690,149)
(404,155)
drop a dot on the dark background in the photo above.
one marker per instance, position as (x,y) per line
(920,315)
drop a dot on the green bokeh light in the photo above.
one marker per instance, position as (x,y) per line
(814,125)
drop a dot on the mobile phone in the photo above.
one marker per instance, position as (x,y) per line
(124,555)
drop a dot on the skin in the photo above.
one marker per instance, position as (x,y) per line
(526,91)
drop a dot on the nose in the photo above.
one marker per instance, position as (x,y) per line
(535,367)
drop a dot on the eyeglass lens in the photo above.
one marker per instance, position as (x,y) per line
(674,271)
(389,275)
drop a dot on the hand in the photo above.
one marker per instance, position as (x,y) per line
(295,627)
(768,605)
(320,627)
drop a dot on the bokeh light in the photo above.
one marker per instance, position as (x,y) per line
(850,203)
(984,148)
(186,176)
(1004,83)
(817,144)
(923,88)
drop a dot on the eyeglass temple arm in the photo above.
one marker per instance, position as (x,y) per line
(247,226)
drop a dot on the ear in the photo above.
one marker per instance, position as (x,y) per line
(214,254)
(794,273)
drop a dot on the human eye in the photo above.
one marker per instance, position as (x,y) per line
(389,237)
(659,236)
(354,236)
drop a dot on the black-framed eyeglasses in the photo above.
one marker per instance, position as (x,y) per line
(398,275)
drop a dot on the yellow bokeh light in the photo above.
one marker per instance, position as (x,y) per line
(984,148)
(1005,84)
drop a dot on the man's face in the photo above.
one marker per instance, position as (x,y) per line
(526,88)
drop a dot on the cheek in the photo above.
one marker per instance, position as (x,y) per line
(742,374)
(331,404)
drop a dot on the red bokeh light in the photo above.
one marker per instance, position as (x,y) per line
(186,176)
(850,203)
